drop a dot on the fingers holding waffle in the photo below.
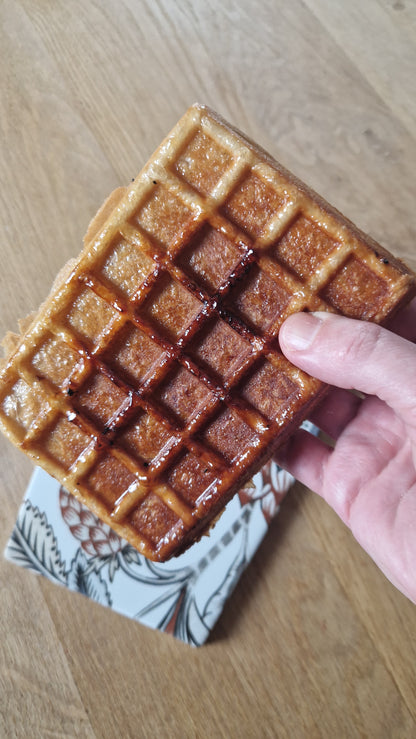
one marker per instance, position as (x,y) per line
(151,383)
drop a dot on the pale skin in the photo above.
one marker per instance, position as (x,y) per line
(369,476)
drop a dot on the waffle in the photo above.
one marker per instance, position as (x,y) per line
(151,383)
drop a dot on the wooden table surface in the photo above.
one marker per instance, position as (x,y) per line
(314,642)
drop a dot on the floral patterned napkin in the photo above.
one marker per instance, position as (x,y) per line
(56,536)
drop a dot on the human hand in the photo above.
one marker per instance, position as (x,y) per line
(369,476)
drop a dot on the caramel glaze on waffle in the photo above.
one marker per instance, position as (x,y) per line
(151,383)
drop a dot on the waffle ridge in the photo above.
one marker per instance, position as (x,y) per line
(151,383)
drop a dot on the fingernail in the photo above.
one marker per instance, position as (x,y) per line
(300,330)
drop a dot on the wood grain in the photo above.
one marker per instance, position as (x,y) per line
(314,642)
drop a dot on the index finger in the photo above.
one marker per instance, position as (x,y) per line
(356,355)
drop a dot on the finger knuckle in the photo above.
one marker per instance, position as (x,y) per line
(363,344)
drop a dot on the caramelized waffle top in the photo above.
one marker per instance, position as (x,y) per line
(151,383)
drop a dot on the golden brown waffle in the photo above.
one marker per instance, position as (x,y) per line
(151,383)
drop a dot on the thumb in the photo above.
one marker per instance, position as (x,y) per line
(354,355)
